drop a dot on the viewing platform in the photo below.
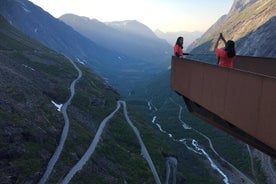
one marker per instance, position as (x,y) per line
(240,101)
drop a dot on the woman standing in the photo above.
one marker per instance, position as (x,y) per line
(227,54)
(177,51)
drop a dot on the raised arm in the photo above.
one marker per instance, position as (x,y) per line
(220,37)
(223,39)
(217,42)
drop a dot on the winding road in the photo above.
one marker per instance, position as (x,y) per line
(95,141)
(170,162)
(65,130)
(91,148)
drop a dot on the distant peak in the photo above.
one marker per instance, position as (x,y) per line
(240,5)
(123,22)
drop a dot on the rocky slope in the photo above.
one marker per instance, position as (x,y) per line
(251,23)
(31,77)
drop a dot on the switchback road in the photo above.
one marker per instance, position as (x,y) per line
(65,130)
(95,141)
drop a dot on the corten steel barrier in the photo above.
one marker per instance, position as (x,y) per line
(242,103)
(266,66)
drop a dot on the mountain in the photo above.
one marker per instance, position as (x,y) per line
(41,26)
(31,126)
(33,79)
(114,61)
(189,37)
(239,6)
(251,23)
(132,27)
(130,37)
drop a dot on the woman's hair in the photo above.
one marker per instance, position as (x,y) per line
(178,42)
(230,48)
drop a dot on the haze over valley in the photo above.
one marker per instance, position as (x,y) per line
(85,101)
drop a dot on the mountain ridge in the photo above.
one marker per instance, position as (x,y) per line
(130,37)
(243,19)
(133,27)
(189,37)
(114,61)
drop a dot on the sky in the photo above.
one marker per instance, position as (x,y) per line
(165,15)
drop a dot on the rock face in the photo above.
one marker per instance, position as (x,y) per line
(240,5)
(259,42)
(251,23)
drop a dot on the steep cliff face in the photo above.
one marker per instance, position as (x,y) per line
(240,5)
(251,23)
(260,42)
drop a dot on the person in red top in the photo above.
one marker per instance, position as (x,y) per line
(177,50)
(226,55)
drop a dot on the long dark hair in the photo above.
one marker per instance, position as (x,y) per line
(230,48)
(178,42)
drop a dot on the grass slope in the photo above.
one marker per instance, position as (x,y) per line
(31,76)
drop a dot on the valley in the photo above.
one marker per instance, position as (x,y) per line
(89,68)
